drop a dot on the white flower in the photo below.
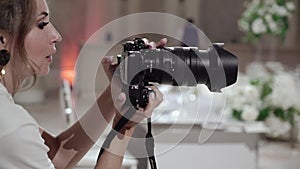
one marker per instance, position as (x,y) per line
(269,2)
(269,18)
(279,10)
(239,102)
(236,98)
(290,6)
(284,94)
(262,11)
(251,8)
(275,67)
(257,71)
(258,26)
(277,126)
(274,27)
(272,24)
(284,91)
(252,94)
(255,20)
(249,113)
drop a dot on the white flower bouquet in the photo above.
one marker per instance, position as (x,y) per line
(267,93)
(266,17)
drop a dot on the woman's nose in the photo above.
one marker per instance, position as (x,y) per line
(56,36)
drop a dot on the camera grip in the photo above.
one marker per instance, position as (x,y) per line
(138,95)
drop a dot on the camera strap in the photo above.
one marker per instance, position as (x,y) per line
(121,123)
(150,145)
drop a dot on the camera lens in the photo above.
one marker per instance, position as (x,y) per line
(183,66)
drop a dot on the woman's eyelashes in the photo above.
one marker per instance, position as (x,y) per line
(42,25)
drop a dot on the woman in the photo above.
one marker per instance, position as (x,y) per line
(27,46)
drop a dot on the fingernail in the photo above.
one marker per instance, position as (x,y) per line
(145,40)
(152,44)
(121,96)
(164,40)
(152,96)
(109,58)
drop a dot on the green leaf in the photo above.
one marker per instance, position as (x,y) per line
(291,109)
(280,2)
(255,82)
(237,114)
(279,112)
(263,114)
(266,90)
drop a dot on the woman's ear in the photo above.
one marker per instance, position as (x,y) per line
(3,41)
(4,54)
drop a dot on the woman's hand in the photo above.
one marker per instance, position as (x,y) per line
(155,98)
(109,67)
(107,61)
(153,45)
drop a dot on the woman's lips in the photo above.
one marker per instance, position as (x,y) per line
(49,58)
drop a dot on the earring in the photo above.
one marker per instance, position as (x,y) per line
(2,73)
(4,57)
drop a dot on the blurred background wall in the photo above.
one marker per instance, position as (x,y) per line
(77,20)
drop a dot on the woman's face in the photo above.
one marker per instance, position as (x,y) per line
(40,41)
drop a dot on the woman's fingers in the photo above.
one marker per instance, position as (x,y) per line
(146,41)
(107,61)
(162,42)
(119,101)
(153,45)
(109,68)
(156,97)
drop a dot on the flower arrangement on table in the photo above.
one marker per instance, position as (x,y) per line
(266,17)
(267,93)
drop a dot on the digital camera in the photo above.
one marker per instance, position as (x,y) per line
(140,66)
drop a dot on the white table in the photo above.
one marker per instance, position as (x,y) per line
(221,150)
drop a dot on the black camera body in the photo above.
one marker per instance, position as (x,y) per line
(140,66)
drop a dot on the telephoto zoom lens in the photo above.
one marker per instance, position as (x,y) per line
(181,66)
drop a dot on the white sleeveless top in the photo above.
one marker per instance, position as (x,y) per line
(21,145)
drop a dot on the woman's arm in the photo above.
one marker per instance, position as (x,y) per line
(70,146)
(112,157)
